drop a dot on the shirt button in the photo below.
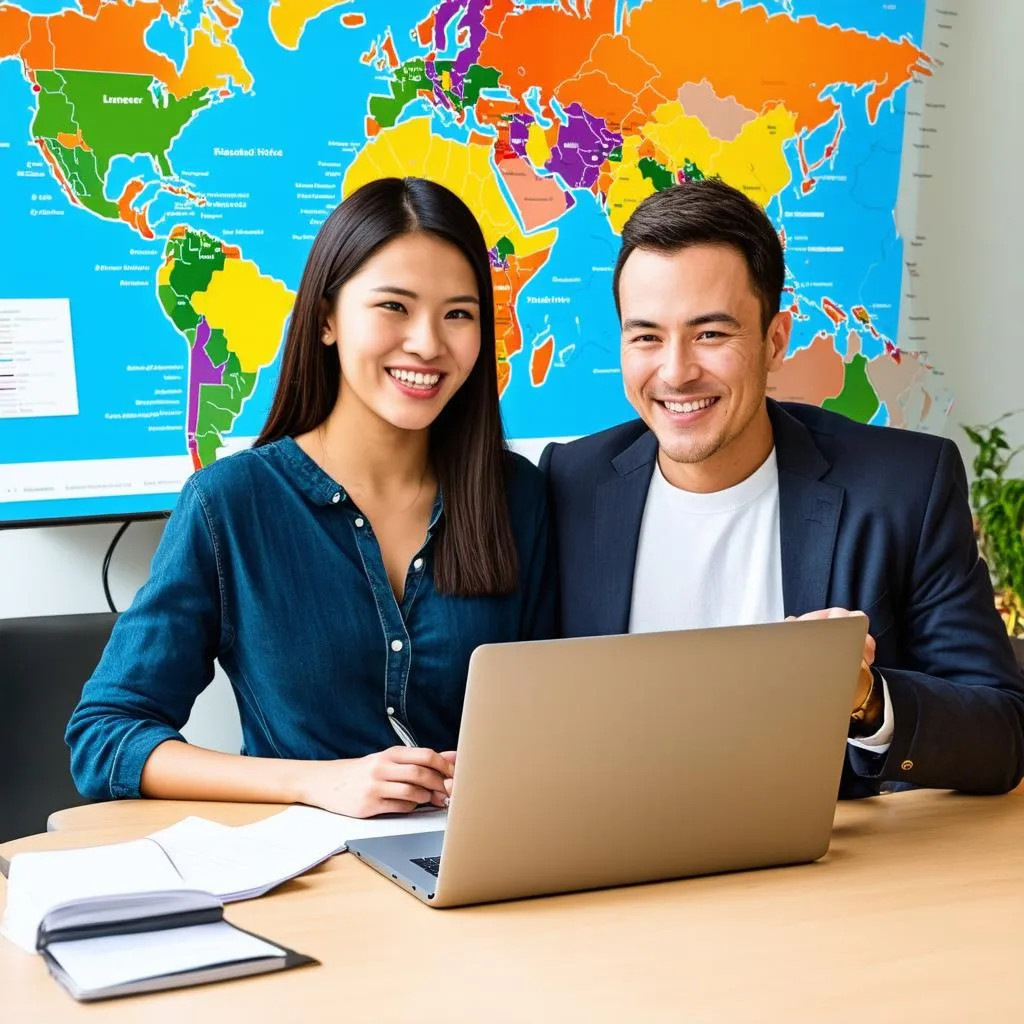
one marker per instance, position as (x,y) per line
(391,711)
(396,645)
(360,521)
(418,564)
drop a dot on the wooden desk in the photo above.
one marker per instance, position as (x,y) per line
(916,914)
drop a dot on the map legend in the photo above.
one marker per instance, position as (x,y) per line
(37,359)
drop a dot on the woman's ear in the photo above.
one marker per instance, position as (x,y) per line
(327,332)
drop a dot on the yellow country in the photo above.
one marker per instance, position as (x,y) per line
(210,64)
(249,307)
(411,149)
(754,161)
(288,18)
(629,187)
(446,81)
(537,147)
(681,137)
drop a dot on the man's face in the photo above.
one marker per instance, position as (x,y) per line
(695,359)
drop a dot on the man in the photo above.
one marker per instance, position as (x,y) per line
(722,507)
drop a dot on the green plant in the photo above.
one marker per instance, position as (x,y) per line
(998,503)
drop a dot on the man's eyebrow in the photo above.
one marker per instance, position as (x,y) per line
(634,324)
(393,289)
(717,317)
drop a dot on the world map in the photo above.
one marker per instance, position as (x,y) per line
(165,165)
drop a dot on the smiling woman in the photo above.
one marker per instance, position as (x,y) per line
(344,569)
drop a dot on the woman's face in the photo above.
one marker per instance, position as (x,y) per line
(407,327)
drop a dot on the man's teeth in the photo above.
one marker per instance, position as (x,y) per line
(416,380)
(689,406)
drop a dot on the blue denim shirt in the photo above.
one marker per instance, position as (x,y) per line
(268,566)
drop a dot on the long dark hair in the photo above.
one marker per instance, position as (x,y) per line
(475,551)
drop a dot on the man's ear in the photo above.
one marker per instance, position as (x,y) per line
(779,331)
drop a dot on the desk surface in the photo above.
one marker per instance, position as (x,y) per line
(915,914)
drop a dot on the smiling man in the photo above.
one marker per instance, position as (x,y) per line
(722,507)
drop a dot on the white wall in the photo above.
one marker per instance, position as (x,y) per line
(971,212)
(972,276)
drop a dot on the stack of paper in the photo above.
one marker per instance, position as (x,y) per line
(249,860)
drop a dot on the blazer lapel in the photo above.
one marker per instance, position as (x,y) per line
(619,511)
(808,515)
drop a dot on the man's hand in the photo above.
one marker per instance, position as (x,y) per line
(395,780)
(866,679)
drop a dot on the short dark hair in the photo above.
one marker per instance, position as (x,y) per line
(475,551)
(709,212)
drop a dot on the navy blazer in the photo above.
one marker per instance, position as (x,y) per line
(871,519)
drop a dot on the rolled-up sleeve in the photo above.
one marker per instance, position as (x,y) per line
(159,659)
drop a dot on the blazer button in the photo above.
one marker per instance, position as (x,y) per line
(907,765)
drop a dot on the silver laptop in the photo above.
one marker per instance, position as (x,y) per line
(613,760)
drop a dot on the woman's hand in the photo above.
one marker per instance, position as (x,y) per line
(396,780)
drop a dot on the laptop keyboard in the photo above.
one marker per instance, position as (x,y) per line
(431,864)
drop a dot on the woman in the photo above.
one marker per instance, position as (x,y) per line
(342,570)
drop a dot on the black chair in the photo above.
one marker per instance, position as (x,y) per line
(44,663)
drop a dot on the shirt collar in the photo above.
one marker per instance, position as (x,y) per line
(318,486)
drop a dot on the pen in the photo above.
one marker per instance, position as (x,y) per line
(406,737)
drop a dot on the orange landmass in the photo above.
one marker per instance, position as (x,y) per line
(227,19)
(492,111)
(75,141)
(132,217)
(810,375)
(538,200)
(178,231)
(540,361)
(14,30)
(388,48)
(508,283)
(833,312)
(353,20)
(689,41)
(608,83)
(504,375)
(113,39)
(371,128)
(425,30)
(369,55)
(231,252)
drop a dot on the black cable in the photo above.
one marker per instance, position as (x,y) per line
(106,562)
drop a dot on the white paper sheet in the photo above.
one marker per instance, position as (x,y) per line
(40,881)
(249,860)
(119,959)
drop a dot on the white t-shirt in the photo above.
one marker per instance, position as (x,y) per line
(709,559)
(716,560)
